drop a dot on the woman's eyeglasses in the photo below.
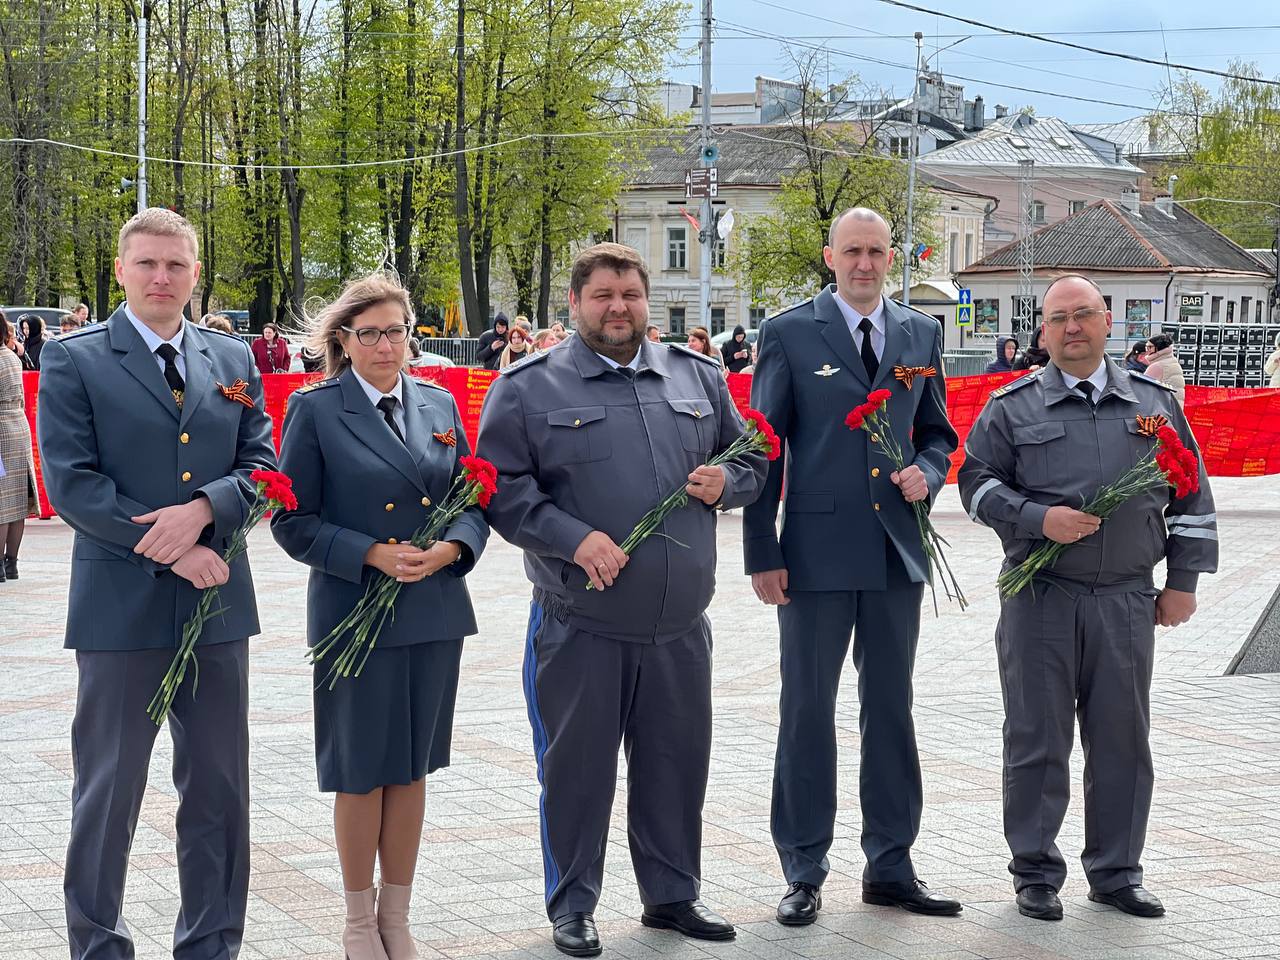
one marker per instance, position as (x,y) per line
(369,336)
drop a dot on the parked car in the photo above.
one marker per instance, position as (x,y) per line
(52,317)
(239,319)
(426,359)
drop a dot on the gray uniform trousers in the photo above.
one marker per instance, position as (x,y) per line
(815,628)
(586,695)
(111,742)
(1067,649)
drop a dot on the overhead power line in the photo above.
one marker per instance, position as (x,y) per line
(1133,57)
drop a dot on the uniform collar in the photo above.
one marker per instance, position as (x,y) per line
(852,317)
(374,394)
(650,357)
(150,337)
(1109,379)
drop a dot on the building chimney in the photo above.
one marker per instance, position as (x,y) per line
(979,113)
(1001,111)
(1131,200)
(1164,203)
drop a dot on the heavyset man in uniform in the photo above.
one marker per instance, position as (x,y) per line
(149,464)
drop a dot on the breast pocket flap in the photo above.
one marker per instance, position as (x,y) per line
(575,416)
(1039,432)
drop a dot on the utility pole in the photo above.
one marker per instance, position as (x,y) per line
(908,244)
(142,105)
(707,231)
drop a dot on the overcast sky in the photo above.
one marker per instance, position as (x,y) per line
(1195,33)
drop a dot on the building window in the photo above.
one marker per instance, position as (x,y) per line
(677,248)
(717,320)
(1215,310)
(953,251)
(675,320)
(1231,311)
(968,249)
(1037,211)
(1258,311)
(1137,319)
(562,315)
(1244,309)
(986,316)
(755,317)
(1077,206)
(1024,317)
(718,254)
(900,146)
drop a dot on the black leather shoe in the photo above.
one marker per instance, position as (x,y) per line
(10,568)
(1039,901)
(800,906)
(575,934)
(1136,900)
(913,896)
(693,918)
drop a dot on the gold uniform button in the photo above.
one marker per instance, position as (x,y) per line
(875,471)
(577,423)
(184,438)
(876,505)
(875,438)
(389,507)
(426,501)
(186,476)
(697,414)
(392,541)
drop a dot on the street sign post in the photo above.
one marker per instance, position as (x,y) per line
(700,183)
(964,308)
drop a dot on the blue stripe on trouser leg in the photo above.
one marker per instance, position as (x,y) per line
(551,872)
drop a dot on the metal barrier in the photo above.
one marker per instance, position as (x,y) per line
(461,351)
(965,363)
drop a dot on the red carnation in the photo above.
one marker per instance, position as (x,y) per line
(854,419)
(879,396)
(767,438)
(484,475)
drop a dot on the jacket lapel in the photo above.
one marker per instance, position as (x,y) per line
(138,360)
(417,422)
(360,417)
(836,333)
(896,340)
(199,376)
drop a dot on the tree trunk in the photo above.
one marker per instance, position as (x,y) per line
(476,322)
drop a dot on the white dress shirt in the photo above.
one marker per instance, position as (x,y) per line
(853,318)
(633,365)
(153,341)
(374,395)
(1098,378)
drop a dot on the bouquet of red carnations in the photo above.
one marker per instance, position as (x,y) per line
(757,438)
(476,484)
(1168,463)
(274,492)
(872,418)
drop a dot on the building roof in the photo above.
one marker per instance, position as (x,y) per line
(1267,258)
(1108,236)
(1050,142)
(750,156)
(1151,135)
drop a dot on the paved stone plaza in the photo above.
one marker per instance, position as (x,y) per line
(1213,851)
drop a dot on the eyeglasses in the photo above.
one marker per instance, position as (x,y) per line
(1083,315)
(369,336)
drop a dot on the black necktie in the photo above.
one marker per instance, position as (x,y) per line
(627,372)
(388,407)
(169,354)
(868,351)
(1086,387)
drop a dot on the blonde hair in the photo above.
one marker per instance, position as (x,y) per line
(216,321)
(158,222)
(541,337)
(322,330)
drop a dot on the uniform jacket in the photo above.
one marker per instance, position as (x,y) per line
(356,485)
(579,447)
(1038,444)
(838,495)
(115,445)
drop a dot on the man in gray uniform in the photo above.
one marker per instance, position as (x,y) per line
(148,458)
(587,438)
(1081,637)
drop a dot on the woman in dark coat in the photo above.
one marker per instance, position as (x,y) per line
(370,450)
(1035,356)
(737,352)
(31,331)
(1006,354)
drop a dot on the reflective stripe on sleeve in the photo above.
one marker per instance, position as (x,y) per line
(982,491)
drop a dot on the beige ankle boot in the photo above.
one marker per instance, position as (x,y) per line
(360,938)
(393,922)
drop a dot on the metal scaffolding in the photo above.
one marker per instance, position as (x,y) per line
(1024,303)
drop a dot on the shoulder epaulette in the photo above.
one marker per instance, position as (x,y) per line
(526,363)
(1018,384)
(1134,375)
(317,385)
(910,309)
(694,353)
(83,331)
(223,333)
(429,383)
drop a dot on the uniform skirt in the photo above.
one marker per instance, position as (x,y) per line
(391,725)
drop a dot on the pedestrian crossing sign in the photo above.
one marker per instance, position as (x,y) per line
(964,308)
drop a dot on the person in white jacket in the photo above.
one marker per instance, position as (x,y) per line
(1272,366)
